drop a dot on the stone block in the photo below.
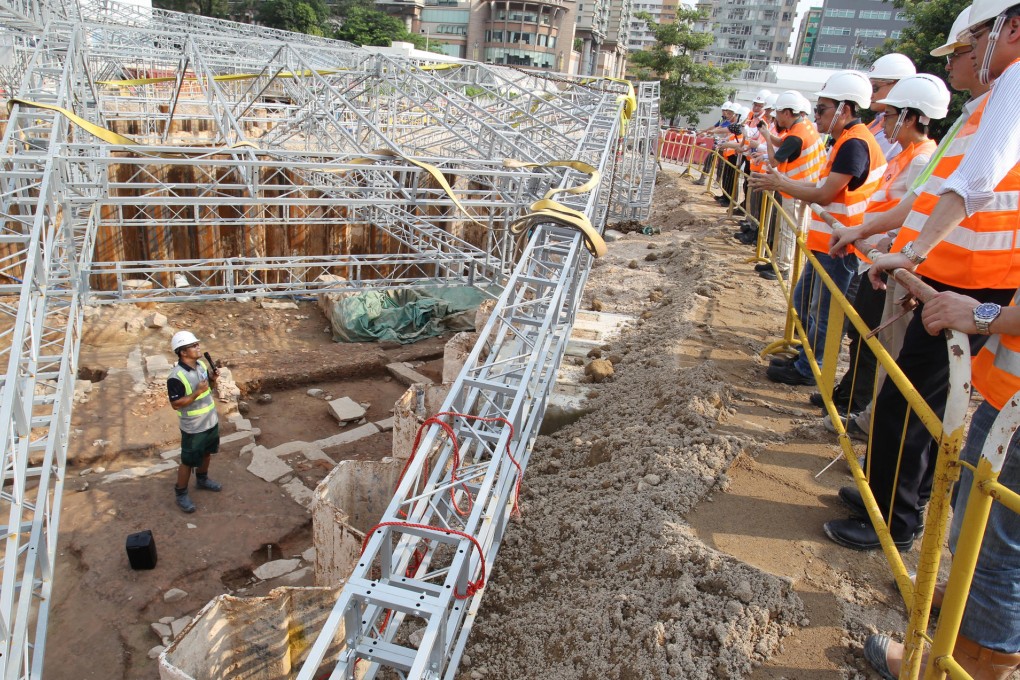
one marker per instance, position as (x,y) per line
(235,441)
(267,466)
(301,494)
(174,595)
(276,568)
(155,320)
(157,366)
(346,410)
(407,375)
(385,425)
(139,472)
(161,630)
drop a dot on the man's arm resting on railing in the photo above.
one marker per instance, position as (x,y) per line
(773,180)
(955,311)
(874,223)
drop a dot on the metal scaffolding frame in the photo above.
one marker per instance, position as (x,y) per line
(238,130)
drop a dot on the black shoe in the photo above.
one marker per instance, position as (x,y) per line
(770,275)
(763,267)
(788,375)
(699,182)
(840,404)
(748,237)
(875,650)
(851,498)
(858,534)
(722,200)
(782,361)
(745,225)
(816,400)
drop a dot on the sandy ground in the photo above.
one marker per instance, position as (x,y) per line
(674,532)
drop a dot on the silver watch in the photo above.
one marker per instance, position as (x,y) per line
(908,251)
(984,315)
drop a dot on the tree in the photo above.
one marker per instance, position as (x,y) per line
(364,25)
(301,16)
(219,9)
(688,89)
(929,23)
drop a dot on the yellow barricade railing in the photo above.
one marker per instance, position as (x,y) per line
(947,431)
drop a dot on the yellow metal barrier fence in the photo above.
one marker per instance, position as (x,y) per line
(947,431)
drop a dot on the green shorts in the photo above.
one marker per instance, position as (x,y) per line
(194,447)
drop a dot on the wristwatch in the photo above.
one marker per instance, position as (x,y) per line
(908,252)
(984,315)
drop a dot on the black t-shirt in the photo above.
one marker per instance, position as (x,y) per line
(790,149)
(853,159)
(174,387)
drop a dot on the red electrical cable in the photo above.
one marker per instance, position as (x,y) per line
(498,419)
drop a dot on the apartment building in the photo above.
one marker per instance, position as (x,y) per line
(755,32)
(850,29)
(662,11)
(807,36)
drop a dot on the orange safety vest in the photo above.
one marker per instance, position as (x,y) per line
(848,206)
(809,163)
(982,251)
(995,371)
(759,166)
(876,125)
(730,153)
(882,200)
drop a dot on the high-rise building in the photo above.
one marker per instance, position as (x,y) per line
(852,28)
(755,32)
(662,11)
(590,33)
(534,34)
(613,56)
(807,36)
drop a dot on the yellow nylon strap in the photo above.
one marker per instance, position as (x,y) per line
(228,77)
(431,169)
(593,180)
(547,210)
(438,67)
(629,99)
(108,136)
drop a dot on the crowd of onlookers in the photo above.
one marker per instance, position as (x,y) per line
(947,209)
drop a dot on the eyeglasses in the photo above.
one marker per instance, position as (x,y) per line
(192,346)
(960,51)
(971,36)
(822,108)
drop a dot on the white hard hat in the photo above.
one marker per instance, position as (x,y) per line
(952,42)
(805,105)
(761,97)
(892,67)
(740,110)
(788,100)
(727,105)
(923,92)
(983,11)
(851,86)
(770,101)
(182,339)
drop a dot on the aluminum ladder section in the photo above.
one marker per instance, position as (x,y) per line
(427,560)
(48,245)
(634,179)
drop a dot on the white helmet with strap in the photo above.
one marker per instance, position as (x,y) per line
(851,86)
(892,67)
(981,12)
(727,105)
(761,97)
(924,92)
(182,339)
(952,38)
(789,100)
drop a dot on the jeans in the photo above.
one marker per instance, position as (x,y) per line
(992,617)
(811,300)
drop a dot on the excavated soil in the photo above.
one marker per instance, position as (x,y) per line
(673,532)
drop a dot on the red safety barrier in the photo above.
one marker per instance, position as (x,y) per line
(684,147)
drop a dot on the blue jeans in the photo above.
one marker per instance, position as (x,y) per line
(811,300)
(992,617)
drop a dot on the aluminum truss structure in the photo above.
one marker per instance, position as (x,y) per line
(243,146)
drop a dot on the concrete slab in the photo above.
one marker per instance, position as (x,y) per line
(157,366)
(385,425)
(276,568)
(266,465)
(139,472)
(407,375)
(301,494)
(235,441)
(367,430)
(172,453)
(346,410)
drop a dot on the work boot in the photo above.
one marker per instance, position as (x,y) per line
(184,501)
(203,482)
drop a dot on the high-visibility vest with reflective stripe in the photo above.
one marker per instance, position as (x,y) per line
(806,166)
(876,125)
(882,200)
(996,369)
(199,415)
(982,251)
(759,166)
(850,204)
(730,153)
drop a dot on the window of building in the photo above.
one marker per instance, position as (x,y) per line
(871,32)
(895,35)
(828,64)
(835,30)
(840,13)
(874,14)
(446,16)
(832,49)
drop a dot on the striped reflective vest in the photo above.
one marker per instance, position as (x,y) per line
(807,166)
(882,200)
(849,205)
(199,415)
(981,252)
(996,368)
(759,165)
